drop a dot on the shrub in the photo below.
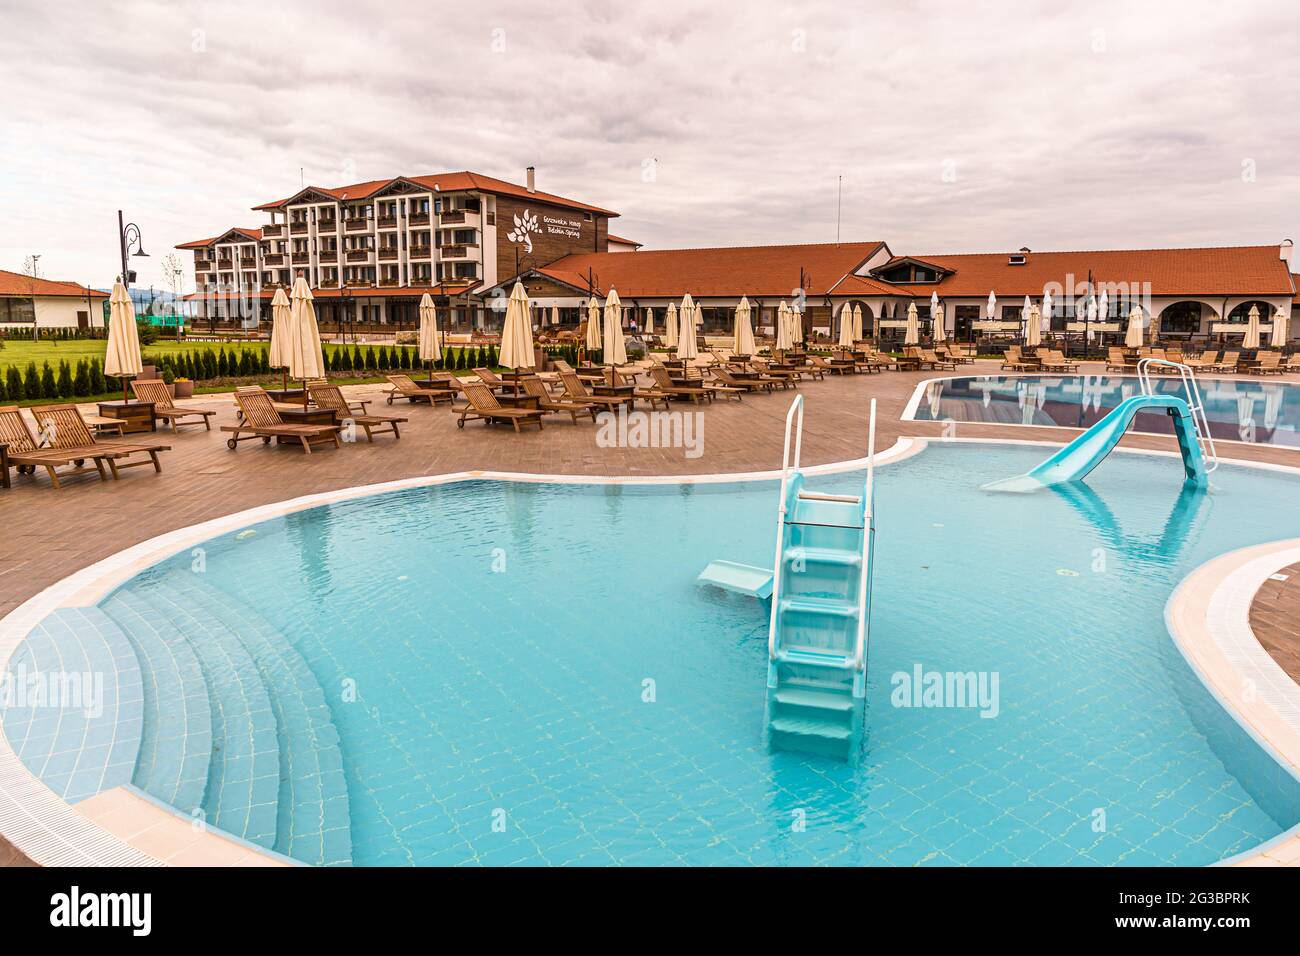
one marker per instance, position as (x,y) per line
(64,384)
(147,333)
(81,381)
(13,384)
(48,387)
(98,386)
(32,383)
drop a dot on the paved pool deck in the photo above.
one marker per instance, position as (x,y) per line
(48,533)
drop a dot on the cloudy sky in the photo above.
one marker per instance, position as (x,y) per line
(955,127)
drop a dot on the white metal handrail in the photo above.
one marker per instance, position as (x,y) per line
(868,533)
(795,420)
(1194,402)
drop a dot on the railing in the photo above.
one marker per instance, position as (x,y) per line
(388,252)
(202,265)
(358,255)
(271,231)
(356,225)
(421,252)
(298,228)
(387,222)
(795,420)
(273,259)
(418,219)
(327,225)
(1194,402)
(868,543)
(451,217)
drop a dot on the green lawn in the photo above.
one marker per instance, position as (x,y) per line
(73,350)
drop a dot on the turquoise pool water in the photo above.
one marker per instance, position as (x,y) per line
(1243,409)
(476,658)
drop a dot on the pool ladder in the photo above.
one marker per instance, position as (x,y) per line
(820,617)
(1194,402)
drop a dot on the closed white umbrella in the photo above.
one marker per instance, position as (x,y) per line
(744,333)
(936,312)
(279,329)
(593,325)
(649,321)
(122,360)
(934,302)
(796,324)
(615,348)
(1133,335)
(670,326)
(555,315)
(304,359)
(1281,330)
(1025,309)
(430,348)
(1046,315)
(912,335)
(992,307)
(846,326)
(784,339)
(1033,329)
(686,343)
(517,333)
(857,322)
(1251,341)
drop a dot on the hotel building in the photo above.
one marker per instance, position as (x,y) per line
(370,250)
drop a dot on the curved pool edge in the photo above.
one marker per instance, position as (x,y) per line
(52,833)
(1208,617)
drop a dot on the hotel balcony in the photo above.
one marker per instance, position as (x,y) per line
(225,265)
(421,281)
(388,283)
(298,228)
(356,225)
(301,259)
(358,255)
(456,252)
(273,259)
(248,264)
(202,265)
(387,222)
(421,252)
(272,232)
(327,225)
(418,219)
(329,283)
(388,252)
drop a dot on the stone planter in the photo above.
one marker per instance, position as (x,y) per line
(183,388)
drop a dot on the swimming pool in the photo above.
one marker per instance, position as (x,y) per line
(516,673)
(1249,410)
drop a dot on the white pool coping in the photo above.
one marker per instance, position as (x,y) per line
(53,833)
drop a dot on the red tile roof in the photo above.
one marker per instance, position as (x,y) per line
(1227,270)
(370,293)
(630,242)
(17,284)
(720,272)
(445,182)
(204,243)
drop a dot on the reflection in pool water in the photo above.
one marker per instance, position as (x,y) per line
(1249,410)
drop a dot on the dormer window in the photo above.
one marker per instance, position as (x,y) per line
(1017,260)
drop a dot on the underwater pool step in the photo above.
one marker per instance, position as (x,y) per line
(811,727)
(820,606)
(314,818)
(82,735)
(836,556)
(794,696)
(176,727)
(242,795)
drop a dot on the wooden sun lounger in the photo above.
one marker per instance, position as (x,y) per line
(535,387)
(1269,363)
(404,387)
(483,405)
(927,357)
(155,390)
(325,395)
(26,455)
(819,362)
(666,386)
(1228,362)
(747,384)
(61,428)
(261,420)
(575,388)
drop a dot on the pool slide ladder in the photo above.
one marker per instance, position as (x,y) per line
(820,610)
(1076,460)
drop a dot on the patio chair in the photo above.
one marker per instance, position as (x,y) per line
(1269,363)
(1053,360)
(489,378)
(1117,361)
(404,387)
(26,455)
(664,385)
(61,428)
(261,420)
(928,357)
(1207,359)
(1228,363)
(535,387)
(819,362)
(325,395)
(155,391)
(782,375)
(748,384)
(576,388)
(1013,361)
(483,406)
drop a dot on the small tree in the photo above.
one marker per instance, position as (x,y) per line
(64,383)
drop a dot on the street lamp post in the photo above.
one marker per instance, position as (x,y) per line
(128,236)
(36,328)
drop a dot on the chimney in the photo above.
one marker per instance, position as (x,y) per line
(532,179)
(1284,252)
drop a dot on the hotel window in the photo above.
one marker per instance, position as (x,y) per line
(1242,312)
(1182,317)
(466,270)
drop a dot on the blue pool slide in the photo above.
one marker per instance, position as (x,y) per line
(1076,460)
